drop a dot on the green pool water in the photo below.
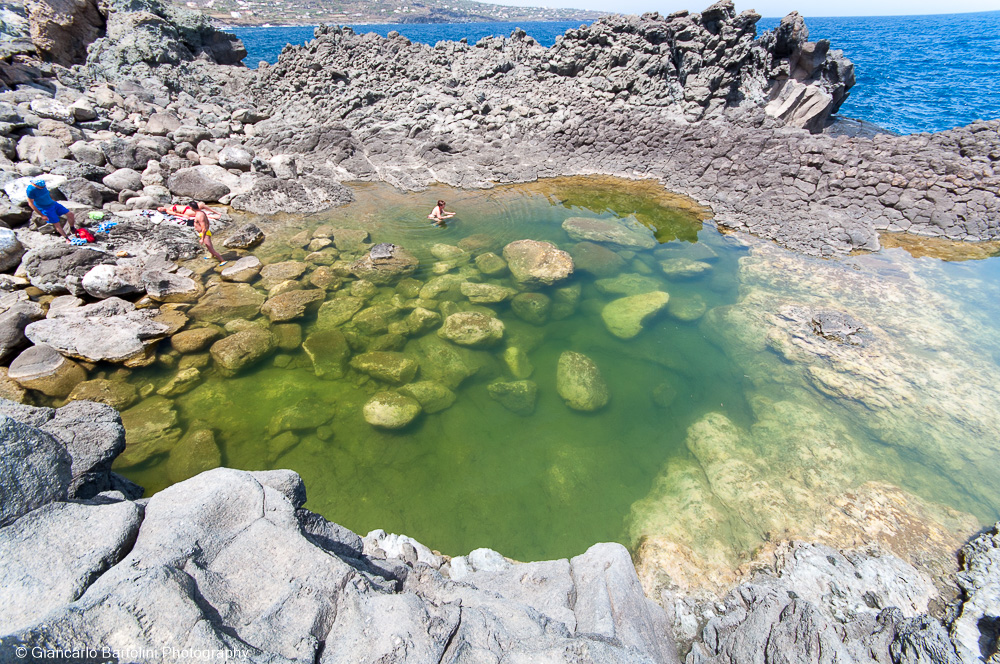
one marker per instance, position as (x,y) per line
(552,483)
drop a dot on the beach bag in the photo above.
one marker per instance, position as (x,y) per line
(84,234)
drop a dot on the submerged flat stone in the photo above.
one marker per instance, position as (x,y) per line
(684,268)
(625,316)
(472,329)
(389,410)
(386,366)
(535,263)
(626,232)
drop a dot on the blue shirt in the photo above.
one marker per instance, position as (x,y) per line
(40,196)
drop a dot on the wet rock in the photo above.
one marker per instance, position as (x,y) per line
(684,268)
(150,430)
(532,308)
(517,362)
(303,195)
(246,236)
(227,301)
(595,259)
(393,368)
(445,362)
(535,263)
(433,396)
(112,330)
(181,382)
(11,390)
(420,321)
(60,269)
(622,232)
(486,293)
(518,396)
(580,383)
(687,307)
(194,340)
(44,369)
(275,273)
(329,352)
(375,320)
(115,393)
(628,284)
(306,414)
(288,336)
(388,410)
(338,311)
(565,301)
(242,349)
(194,453)
(491,265)
(384,271)
(625,316)
(472,329)
(292,305)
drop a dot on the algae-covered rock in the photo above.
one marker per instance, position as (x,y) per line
(472,329)
(687,307)
(395,368)
(329,352)
(445,285)
(338,311)
(389,410)
(486,293)
(580,383)
(195,340)
(625,316)
(292,305)
(445,362)
(275,273)
(626,232)
(225,301)
(288,336)
(596,259)
(195,453)
(491,265)
(565,301)
(116,393)
(684,268)
(535,263)
(150,429)
(532,308)
(351,240)
(385,271)
(242,349)
(181,382)
(304,414)
(517,362)
(421,320)
(375,320)
(517,396)
(433,396)
(628,284)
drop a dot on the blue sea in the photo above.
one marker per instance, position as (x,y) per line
(914,73)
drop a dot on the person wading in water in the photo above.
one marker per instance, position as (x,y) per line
(439,215)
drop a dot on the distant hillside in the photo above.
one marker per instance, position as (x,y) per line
(311,12)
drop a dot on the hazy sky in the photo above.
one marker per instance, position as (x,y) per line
(776,7)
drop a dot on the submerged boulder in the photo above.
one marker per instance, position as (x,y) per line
(246,236)
(517,396)
(329,352)
(472,329)
(626,232)
(625,316)
(242,349)
(386,366)
(535,263)
(389,410)
(384,270)
(44,369)
(580,383)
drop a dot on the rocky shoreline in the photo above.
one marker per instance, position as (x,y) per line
(156,108)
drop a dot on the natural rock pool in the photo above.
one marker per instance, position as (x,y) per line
(742,393)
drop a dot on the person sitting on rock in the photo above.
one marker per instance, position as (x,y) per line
(41,202)
(439,215)
(201,225)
